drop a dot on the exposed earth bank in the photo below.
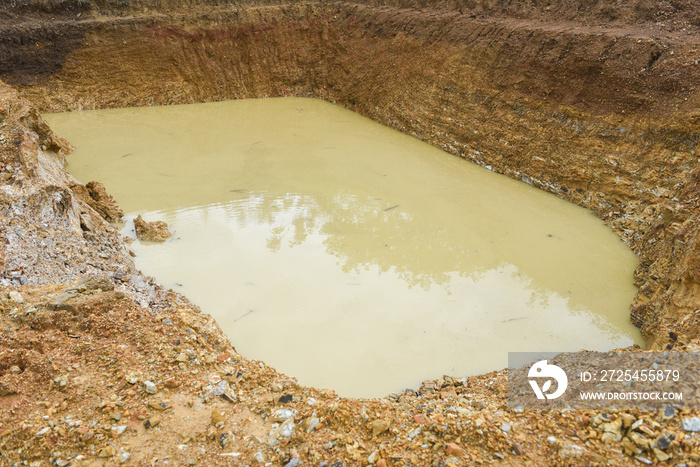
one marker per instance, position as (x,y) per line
(597,104)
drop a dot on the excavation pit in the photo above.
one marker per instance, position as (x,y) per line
(593,103)
(347,254)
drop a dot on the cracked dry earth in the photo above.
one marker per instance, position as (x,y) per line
(100,365)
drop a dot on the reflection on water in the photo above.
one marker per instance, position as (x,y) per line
(351,256)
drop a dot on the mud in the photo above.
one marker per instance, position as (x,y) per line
(600,109)
(272,201)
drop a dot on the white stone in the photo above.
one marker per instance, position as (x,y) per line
(313,424)
(281,415)
(16,297)
(218,389)
(372,457)
(283,431)
(691,424)
(150,387)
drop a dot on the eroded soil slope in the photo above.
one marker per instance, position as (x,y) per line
(596,102)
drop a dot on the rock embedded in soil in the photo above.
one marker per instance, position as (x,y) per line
(95,195)
(217,419)
(379,426)
(156,231)
(452,449)
(150,387)
(152,422)
(691,424)
(16,297)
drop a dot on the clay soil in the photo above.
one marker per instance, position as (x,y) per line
(596,102)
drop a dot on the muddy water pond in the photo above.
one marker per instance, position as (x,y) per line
(349,255)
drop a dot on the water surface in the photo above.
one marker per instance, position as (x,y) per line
(349,255)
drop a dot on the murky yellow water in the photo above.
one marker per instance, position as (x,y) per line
(349,255)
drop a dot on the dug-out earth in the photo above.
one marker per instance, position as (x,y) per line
(595,101)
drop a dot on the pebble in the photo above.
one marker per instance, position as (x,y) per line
(292,463)
(149,387)
(283,431)
(668,413)
(119,429)
(259,457)
(601,418)
(311,423)
(636,424)
(43,431)
(285,399)
(452,449)
(629,447)
(505,427)
(571,451)
(61,381)
(219,388)
(610,437)
(551,439)
(372,457)
(627,420)
(225,439)
(664,441)
(131,379)
(281,415)
(661,456)
(159,406)
(639,440)
(16,297)
(108,451)
(379,426)
(217,419)
(691,424)
(613,427)
(152,422)
(229,396)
